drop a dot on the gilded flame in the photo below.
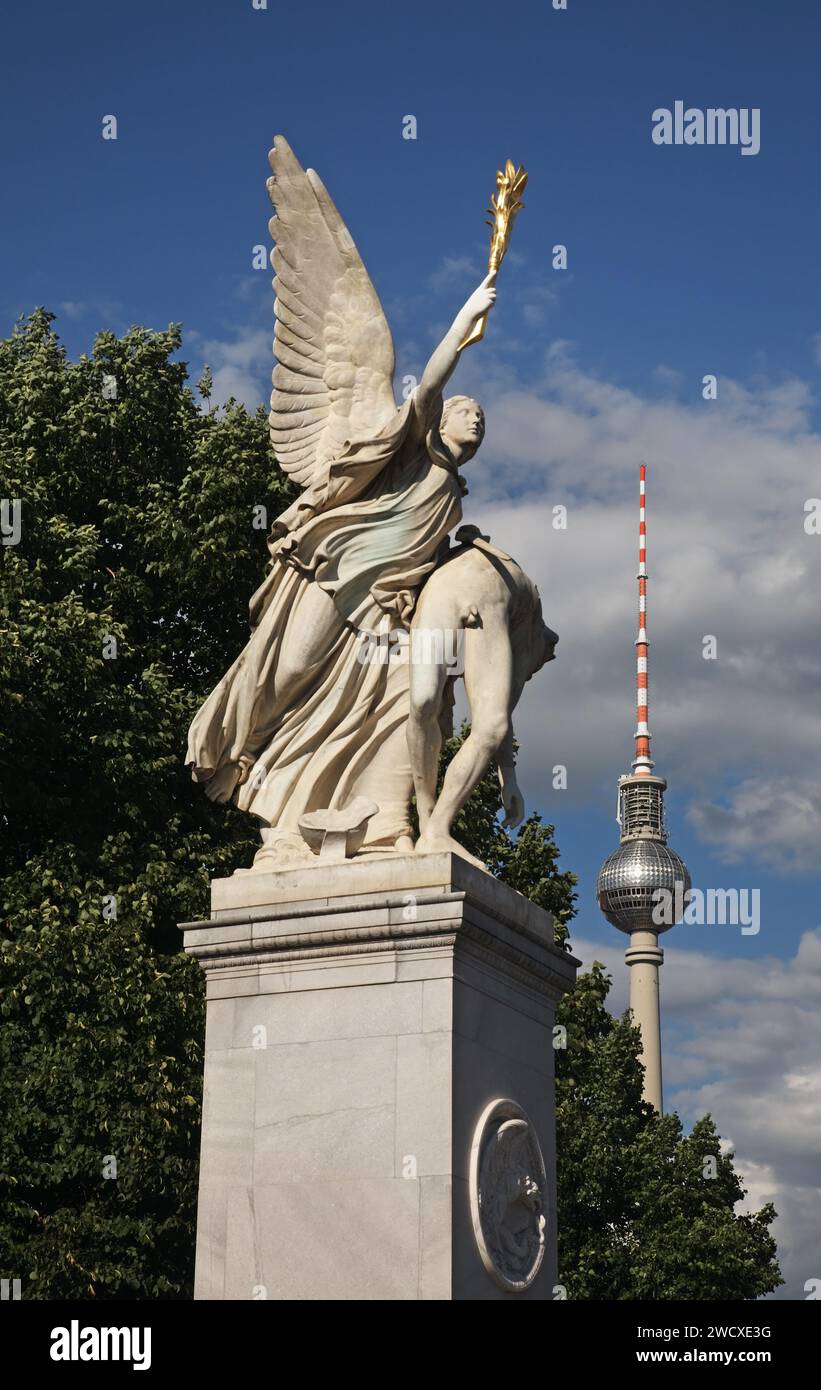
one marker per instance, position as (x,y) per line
(504,205)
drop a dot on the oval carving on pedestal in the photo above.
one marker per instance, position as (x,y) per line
(508,1195)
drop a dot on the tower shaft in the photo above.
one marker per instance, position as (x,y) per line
(644,956)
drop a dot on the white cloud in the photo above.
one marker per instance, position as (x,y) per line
(534,302)
(104,309)
(255,287)
(453,270)
(669,378)
(241,366)
(728,557)
(779,822)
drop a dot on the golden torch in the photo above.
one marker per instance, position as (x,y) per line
(504,204)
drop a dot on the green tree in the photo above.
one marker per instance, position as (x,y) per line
(120,607)
(645,1211)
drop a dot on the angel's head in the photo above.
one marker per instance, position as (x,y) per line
(462,426)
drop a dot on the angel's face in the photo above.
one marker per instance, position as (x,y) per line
(464,427)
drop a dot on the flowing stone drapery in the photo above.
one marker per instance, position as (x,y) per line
(367,536)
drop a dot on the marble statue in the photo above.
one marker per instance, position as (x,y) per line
(311,729)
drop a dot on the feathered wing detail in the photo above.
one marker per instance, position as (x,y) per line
(333,380)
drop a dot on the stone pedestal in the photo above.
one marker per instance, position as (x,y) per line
(378,1119)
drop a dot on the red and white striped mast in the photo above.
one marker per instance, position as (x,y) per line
(642,763)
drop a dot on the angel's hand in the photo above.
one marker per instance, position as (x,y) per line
(480,301)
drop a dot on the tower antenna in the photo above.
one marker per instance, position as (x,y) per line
(642,763)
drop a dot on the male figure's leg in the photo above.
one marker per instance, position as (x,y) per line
(488,683)
(424,733)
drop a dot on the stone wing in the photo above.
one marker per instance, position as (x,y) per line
(333,379)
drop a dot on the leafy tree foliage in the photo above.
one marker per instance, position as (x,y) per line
(121,606)
(136,530)
(645,1212)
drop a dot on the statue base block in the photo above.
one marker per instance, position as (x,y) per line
(378,1120)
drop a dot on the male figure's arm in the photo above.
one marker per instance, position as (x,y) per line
(512,798)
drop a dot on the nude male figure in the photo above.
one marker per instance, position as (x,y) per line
(482,593)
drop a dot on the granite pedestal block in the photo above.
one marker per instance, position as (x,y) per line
(362,1019)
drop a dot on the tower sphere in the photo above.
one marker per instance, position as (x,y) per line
(629,880)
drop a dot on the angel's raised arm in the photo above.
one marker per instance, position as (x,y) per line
(443,361)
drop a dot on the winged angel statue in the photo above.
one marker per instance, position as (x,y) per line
(303,722)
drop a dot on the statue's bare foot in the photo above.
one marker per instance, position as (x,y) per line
(431,843)
(404,844)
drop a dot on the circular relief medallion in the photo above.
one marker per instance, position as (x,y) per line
(508,1195)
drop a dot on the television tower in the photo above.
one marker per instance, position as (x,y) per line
(642,888)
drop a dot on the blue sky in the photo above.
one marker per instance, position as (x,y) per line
(692,255)
(682,261)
